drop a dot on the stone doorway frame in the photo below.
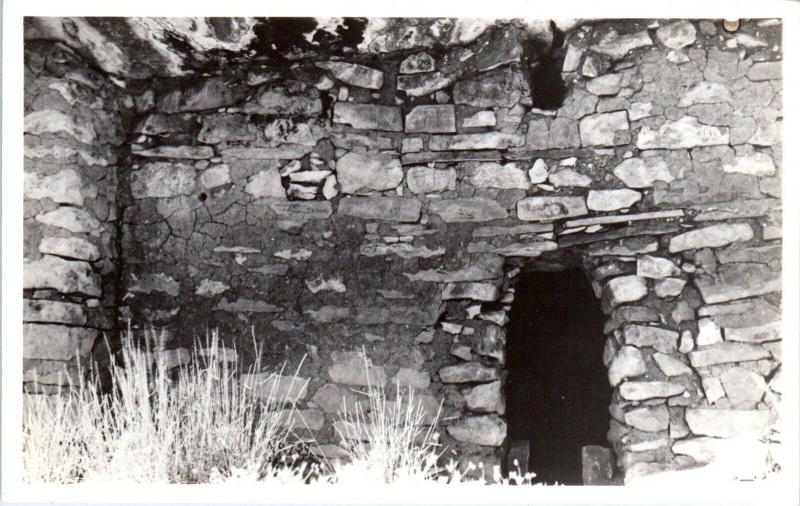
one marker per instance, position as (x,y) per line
(614,254)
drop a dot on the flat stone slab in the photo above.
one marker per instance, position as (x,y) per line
(656,267)
(421,84)
(329,314)
(242,305)
(63,187)
(423,179)
(727,352)
(266,184)
(605,129)
(279,100)
(302,211)
(486,292)
(631,314)
(469,372)
(758,164)
(485,398)
(223,127)
(670,365)
(744,208)
(478,141)
(354,74)
(742,458)
(284,152)
(186,152)
(749,253)
(550,208)
(643,172)
(479,119)
(648,419)
(684,133)
(765,71)
(431,119)
(626,289)
(612,200)
(744,388)
(403,250)
(381,208)
(356,171)
(677,35)
(70,247)
(623,218)
(52,311)
(726,423)
(66,276)
(744,313)
(495,175)
(663,340)
(462,210)
(607,84)
(484,430)
(711,237)
(705,92)
(412,378)
(368,116)
(217,175)
(530,249)
(617,46)
(757,334)
(57,122)
(737,281)
(361,142)
(351,368)
(569,178)
(643,390)
(56,342)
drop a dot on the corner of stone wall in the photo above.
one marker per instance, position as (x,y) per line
(75,130)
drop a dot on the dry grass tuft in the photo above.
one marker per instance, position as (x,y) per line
(157,425)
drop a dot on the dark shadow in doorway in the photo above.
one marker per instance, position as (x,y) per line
(557,389)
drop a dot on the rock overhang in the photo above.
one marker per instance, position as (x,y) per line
(143,47)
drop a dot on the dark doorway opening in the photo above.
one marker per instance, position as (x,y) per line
(557,387)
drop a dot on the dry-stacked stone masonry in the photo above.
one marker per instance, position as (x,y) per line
(75,129)
(384,198)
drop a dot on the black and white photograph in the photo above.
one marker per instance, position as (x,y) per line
(509,254)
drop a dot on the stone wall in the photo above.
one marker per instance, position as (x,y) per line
(75,128)
(386,201)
